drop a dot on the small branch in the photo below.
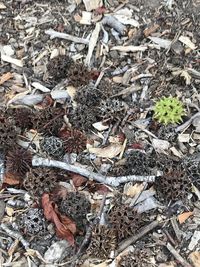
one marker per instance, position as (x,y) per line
(14,235)
(54,34)
(111,180)
(177,256)
(123,245)
(187,123)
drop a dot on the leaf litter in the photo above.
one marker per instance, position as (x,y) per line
(89,175)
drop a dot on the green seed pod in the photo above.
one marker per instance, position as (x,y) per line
(168,110)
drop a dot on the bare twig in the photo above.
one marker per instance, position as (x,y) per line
(15,235)
(114,23)
(124,244)
(187,123)
(177,256)
(111,180)
(54,34)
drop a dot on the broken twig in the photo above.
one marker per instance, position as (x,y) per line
(54,34)
(177,256)
(112,181)
(124,244)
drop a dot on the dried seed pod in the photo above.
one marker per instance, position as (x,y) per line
(40,180)
(18,161)
(76,206)
(23,118)
(8,133)
(73,140)
(53,146)
(78,75)
(191,165)
(58,68)
(83,117)
(88,95)
(32,222)
(173,185)
(112,109)
(125,221)
(138,163)
(103,242)
(48,121)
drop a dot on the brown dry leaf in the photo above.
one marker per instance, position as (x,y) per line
(152,29)
(78,180)
(184,216)
(195,258)
(110,151)
(11,179)
(5,77)
(132,190)
(65,227)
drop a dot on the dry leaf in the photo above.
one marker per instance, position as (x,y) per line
(125,17)
(163,43)
(11,179)
(185,40)
(110,151)
(132,190)
(100,126)
(5,77)
(184,216)
(117,79)
(195,258)
(9,211)
(65,227)
(152,29)
(2,6)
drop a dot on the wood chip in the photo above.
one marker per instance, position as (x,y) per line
(91,5)
(186,40)
(5,77)
(11,60)
(195,258)
(184,216)
(129,48)
(110,151)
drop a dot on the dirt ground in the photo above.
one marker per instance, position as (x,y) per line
(100,133)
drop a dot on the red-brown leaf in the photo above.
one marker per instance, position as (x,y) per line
(78,180)
(65,228)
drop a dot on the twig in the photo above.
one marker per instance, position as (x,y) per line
(111,180)
(114,23)
(123,245)
(187,123)
(15,235)
(177,256)
(54,34)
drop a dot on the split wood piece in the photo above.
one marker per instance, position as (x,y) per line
(54,34)
(110,180)
(177,256)
(124,244)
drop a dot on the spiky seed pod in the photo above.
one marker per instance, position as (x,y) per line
(103,242)
(18,161)
(58,67)
(125,221)
(76,206)
(53,146)
(8,133)
(40,180)
(173,185)
(112,109)
(32,222)
(73,140)
(78,75)
(23,118)
(88,95)
(169,110)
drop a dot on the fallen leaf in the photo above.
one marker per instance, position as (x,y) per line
(78,180)
(100,126)
(2,6)
(152,29)
(10,211)
(195,258)
(65,227)
(125,16)
(132,190)
(184,216)
(110,151)
(163,43)
(5,77)
(11,179)
(185,40)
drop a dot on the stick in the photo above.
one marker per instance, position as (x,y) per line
(123,245)
(187,123)
(177,256)
(112,180)
(54,34)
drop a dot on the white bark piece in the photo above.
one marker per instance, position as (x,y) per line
(159,144)
(99,126)
(184,138)
(2,6)
(57,251)
(7,50)
(40,87)
(114,23)
(185,40)
(86,18)
(91,5)
(93,41)
(195,240)
(163,43)
(125,17)
(11,60)
(58,94)
(129,48)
